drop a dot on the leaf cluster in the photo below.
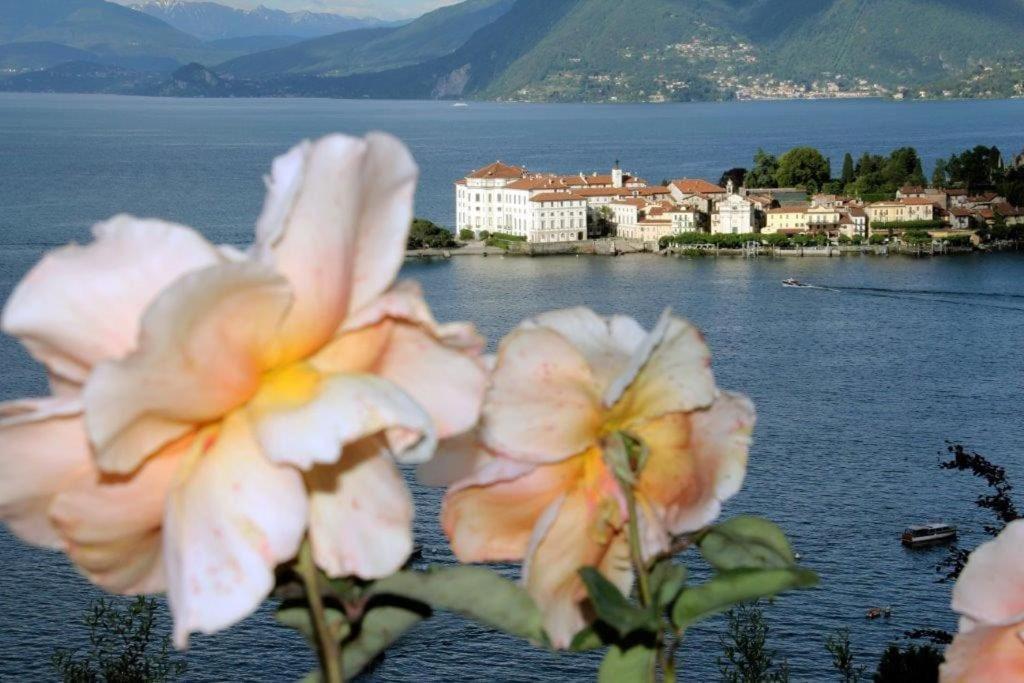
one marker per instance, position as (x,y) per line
(366,617)
(751,559)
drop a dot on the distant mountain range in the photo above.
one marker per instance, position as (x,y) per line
(538,50)
(211,21)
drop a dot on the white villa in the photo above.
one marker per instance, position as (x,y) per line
(541,207)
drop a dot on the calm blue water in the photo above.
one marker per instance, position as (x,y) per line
(857,390)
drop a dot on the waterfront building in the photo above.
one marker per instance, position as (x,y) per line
(900,211)
(786,220)
(542,207)
(734,215)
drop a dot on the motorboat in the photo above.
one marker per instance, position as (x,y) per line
(927,534)
(878,613)
(793,282)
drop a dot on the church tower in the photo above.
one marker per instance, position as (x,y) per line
(617,175)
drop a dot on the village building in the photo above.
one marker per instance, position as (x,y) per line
(541,207)
(786,220)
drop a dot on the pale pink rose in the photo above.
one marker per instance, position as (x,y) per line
(989,596)
(541,489)
(211,408)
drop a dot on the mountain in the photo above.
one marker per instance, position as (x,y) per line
(899,41)
(113,34)
(657,50)
(434,34)
(576,50)
(41,55)
(212,21)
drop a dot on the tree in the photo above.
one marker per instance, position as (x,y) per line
(976,169)
(917,177)
(746,658)
(765,167)
(848,173)
(737,175)
(425,234)
(939,179)
(802,167)
(121,646)
(915,664)
(838,645)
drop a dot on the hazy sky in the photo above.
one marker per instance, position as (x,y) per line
(385,9)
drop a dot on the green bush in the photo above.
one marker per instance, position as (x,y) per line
(123,646)
(907,225)
(502,240)
(878,238)
(466,235)
(428,235)
(916,237)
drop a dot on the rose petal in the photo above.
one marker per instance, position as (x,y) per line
(696,462)
(990,589)
(361,514)
(232,516)
(606,343)
(334,224)
(677,377)
(81,305)
(112,523)
(993,654)
(404,302)
(43,451)
(201,353)
(457,458)
(574,539)
(304,419)
(544,403)
(491,516)
(448,383)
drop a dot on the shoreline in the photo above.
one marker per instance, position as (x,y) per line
(613,250)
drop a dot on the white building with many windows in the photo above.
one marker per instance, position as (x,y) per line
(541,207)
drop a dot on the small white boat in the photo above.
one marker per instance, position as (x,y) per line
(927,534)
(793,282)
(460,104)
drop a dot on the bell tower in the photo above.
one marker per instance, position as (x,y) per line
(617,175)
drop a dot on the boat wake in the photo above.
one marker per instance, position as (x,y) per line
(972,299)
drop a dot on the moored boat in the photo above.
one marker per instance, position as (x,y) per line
(927,534)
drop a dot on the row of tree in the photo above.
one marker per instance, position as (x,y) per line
(975,170)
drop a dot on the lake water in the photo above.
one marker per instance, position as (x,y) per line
(857,389)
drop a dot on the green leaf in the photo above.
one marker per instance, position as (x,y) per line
(635,665)
(746,543)
(476,592)
(733,587)
(297,617)
(379,628)
(587,639)
(666,579)
(613,608)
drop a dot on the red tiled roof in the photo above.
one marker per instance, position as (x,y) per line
(916,202)
(498,170)
(556,197)
(793,208)
(697,186)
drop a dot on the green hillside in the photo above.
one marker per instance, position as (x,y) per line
(607,49)
(112,33)
(899,42)
(434,34)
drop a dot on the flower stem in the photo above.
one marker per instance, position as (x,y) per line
(635,551)
(327,647)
